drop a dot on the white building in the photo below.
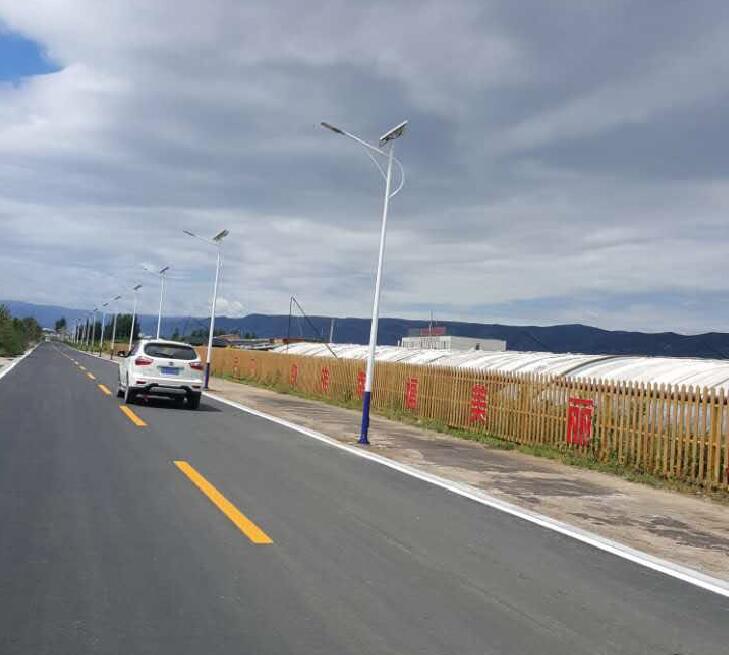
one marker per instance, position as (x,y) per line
(450,342)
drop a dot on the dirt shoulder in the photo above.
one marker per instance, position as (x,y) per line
(688,530)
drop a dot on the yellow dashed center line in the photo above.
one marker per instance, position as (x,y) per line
(132,416)
(91,376)
(242,522)
(105,389)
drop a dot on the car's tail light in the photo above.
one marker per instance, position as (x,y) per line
(143,361)
(198,366)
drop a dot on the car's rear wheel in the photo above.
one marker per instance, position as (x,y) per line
(129,394)
(193,401)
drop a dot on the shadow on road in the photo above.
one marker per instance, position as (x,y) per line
(169,404)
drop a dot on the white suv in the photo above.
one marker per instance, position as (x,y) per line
(161,368)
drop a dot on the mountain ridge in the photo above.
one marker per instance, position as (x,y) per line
(573,337)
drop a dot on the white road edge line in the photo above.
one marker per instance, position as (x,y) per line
(677,571)
(6,369)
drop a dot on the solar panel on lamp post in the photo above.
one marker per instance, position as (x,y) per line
(386,150)
(217,242)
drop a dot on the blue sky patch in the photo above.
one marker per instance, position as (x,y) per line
(21,57)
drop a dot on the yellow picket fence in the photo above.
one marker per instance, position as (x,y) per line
(672,432)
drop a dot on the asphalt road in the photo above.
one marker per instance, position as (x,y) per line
(107,546)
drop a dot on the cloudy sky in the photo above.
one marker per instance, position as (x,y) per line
(566,161)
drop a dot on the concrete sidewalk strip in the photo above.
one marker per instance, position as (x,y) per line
(690,531)
(7,364)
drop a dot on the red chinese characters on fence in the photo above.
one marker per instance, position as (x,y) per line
(579,421)
(293,375)
(360,383)
(479,403)
(411,393)
(325,379)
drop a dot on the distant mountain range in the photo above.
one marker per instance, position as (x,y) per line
(556,338)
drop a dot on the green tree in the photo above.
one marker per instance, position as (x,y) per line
(60,324)
(15,334)
(11,343)
(123,325)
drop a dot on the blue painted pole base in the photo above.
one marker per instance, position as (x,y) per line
(365,419)
(207,375)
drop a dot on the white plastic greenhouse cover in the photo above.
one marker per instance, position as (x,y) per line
(614,368)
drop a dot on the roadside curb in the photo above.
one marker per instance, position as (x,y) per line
(685,574)
(15,362)
(105,359)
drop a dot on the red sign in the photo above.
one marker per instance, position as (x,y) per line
(579,421)
(293,375)
(479,403)
(360,383)
(411,393)
(439,331)
(325,379)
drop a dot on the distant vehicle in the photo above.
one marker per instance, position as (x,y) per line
(156,367)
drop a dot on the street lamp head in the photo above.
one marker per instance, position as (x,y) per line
(331,127)
(393,134)
(117,298)
(190,234)
(139,286)
(162,271)
(221,235)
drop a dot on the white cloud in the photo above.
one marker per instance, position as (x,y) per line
(186,115)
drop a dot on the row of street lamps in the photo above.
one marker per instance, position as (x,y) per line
(386,150)
(85,334)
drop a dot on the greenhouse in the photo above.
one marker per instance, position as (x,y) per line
(712,373)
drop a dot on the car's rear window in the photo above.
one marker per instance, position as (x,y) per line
(168,351)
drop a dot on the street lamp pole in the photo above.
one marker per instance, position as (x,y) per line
(217,242)
(161,274)
(134,315)
(103,325)
(161,297)
(93,329)
(386,149)
(113,329)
